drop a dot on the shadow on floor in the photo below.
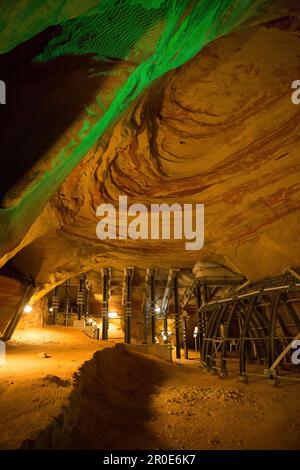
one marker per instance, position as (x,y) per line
(115,406)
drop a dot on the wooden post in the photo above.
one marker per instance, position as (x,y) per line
(177,315)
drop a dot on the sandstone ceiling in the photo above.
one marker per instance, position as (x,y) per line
(221,130)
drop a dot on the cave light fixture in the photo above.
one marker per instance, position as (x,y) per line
(165,337)
(27,309)
(112,315)
(157,309)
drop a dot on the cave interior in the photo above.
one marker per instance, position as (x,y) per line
(112,337)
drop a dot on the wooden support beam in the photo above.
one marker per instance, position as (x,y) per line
(127,284)
(189,292)
(11,326)
(272,327)
(106,275)
(201,317)
(152,305)
(284,353)
(81,297)
(177,315)
(67,300)
(145,307)
(166,301)
(291,311)
(185,335)
(224,349)
(55,304)
(293,272)
(243,343)
(168,291)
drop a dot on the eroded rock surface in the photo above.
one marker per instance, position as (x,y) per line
(220,130)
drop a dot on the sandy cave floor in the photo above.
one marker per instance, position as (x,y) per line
(138,401)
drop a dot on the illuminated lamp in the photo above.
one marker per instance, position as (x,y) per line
(112,315)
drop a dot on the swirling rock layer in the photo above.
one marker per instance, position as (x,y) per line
(221,130)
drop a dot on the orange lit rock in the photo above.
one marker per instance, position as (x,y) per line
(221,130)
